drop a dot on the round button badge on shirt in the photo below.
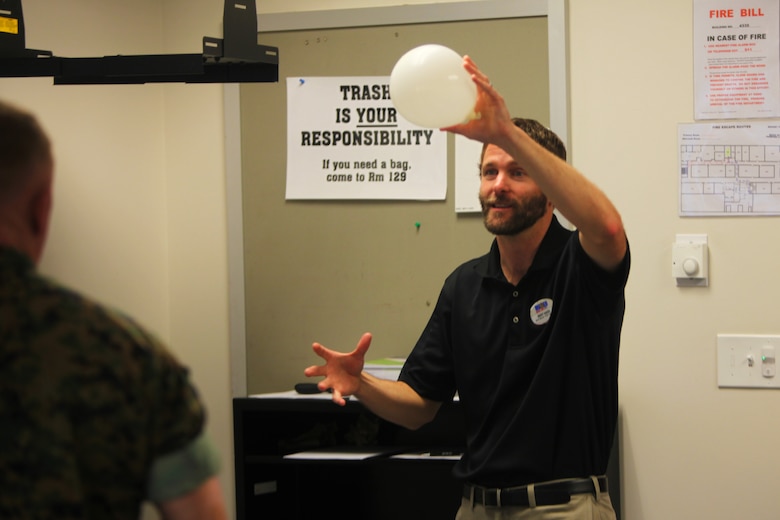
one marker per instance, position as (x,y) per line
(541,311)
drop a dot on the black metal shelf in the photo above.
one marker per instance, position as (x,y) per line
(236,58)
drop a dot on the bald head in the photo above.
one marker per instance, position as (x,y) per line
(26,167)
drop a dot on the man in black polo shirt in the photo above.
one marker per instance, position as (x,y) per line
(527,335)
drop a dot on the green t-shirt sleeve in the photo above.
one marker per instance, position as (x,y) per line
(178,473)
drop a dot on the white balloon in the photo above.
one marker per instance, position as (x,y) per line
(430,88)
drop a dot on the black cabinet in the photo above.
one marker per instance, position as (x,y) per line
(271,486)
(274,487)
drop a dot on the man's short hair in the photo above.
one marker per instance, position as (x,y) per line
(542,135)
(23,145)
(539,133)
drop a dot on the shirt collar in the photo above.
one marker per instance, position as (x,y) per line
(553,242)
(14,260)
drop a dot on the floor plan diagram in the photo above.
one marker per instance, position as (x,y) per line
(729,169)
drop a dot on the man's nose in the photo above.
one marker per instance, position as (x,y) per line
(501,181)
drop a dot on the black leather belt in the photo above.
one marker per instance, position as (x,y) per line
(546,494)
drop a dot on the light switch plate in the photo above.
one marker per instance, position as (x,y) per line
(741,363)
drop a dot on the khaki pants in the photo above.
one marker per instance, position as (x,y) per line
(583,506)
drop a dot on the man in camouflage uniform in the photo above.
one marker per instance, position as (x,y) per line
(95,415)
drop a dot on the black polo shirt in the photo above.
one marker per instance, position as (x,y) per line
(535,365)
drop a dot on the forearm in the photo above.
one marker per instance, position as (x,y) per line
(574,196)
(395,401)
(577,199)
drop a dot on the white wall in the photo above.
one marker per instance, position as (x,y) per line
(690,449)
(139,217)
(110,195)
(197,230)
(284,6)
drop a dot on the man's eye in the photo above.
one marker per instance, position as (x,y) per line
(489,173)
(517,173)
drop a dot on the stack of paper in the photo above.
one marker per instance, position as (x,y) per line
(385,368)
(343,453)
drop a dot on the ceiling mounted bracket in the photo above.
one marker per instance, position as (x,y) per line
(235,58)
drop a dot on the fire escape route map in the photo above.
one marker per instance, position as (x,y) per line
(729,169)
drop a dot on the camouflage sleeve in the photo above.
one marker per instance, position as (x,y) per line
(178,416)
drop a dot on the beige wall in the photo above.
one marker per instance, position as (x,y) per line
(140,223)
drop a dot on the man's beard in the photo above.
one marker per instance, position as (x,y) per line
(525,214)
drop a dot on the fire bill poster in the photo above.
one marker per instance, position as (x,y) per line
(345,140)
(736,58)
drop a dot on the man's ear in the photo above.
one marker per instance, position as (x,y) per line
(39,217)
